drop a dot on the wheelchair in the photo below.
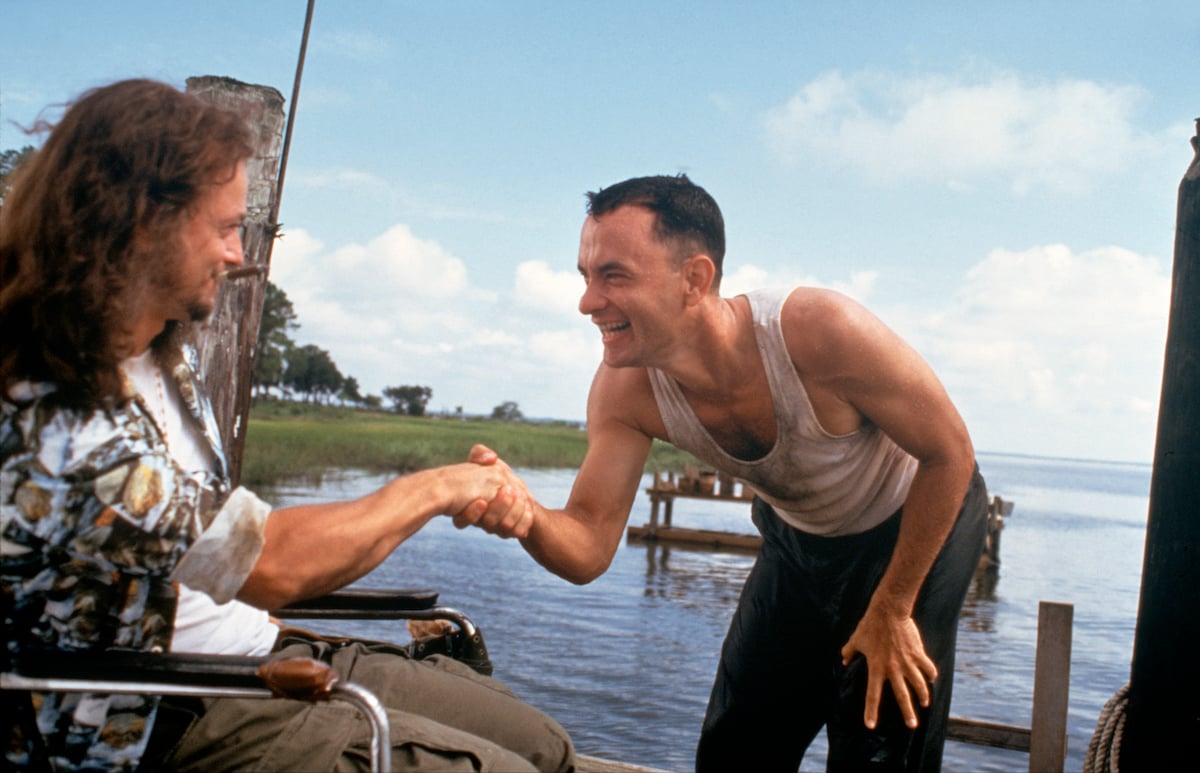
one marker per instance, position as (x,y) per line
(228,676)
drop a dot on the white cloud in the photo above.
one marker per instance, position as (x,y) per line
(395,282)
(576,349)
(1047,348)
(746,278)
(960,131)
(540,287)
(400,310)
(860,285)
(492,339)
(750,277)
(340,177)
(402,262)
(294,255)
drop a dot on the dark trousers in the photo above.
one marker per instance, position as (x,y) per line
(781,678)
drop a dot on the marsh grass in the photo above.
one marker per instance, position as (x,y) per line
(291,440)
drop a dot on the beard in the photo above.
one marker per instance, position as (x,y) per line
(200,309)
(190,303)
(191,299)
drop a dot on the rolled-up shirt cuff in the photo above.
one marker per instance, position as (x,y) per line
(219,562)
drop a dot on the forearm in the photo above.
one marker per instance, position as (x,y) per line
(571,544)
(315,549)
(934,499)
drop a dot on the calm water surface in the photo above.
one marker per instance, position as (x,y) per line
(625,663)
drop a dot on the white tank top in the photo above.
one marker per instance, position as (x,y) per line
(824,484)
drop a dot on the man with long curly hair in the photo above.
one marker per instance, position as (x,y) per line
(116,504)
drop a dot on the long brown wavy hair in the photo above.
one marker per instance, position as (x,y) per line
(88,221)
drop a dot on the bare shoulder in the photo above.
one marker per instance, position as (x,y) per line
(623,398)
(820,326)
(818,306)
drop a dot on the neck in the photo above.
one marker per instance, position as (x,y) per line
(144,332)
(713,358)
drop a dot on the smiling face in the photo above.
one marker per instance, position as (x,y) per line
(209,244)
(635,286)
(212,244)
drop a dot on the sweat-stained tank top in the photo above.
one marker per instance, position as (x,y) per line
(823,484)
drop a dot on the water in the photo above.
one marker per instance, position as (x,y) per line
(625,663)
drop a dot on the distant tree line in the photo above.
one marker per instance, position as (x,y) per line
(309,373)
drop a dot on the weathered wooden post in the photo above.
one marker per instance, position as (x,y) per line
(1163,714)
(226,345)
(1051,687)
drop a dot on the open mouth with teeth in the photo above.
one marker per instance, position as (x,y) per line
(612,329)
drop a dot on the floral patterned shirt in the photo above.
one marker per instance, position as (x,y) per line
(98,523)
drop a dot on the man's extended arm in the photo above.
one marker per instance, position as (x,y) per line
(578,542)
(315,549)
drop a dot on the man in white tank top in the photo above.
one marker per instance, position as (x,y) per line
(861,463)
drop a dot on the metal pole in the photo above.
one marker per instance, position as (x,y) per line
(291,118)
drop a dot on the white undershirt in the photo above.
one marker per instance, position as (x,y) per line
(159,392)
(201,625)
(232,628)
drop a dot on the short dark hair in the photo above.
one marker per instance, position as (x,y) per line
(105,196)
(684,213)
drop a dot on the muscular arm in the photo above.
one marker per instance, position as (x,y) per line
(578,541)
(861,369)
(887,636)
(315,549)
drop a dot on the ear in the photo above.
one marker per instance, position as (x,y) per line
(698,273)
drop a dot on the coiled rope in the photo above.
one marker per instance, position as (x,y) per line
(1104,749)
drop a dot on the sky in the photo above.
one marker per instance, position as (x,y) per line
(997,182)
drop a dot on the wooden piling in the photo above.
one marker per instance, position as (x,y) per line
(226,345)
(1051,687)
(1162,718)
(1046,738)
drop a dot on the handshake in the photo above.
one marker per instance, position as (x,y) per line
(509,510)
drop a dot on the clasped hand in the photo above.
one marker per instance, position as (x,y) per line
(894,653)
(510,512)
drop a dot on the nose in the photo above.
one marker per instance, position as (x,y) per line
(591,301)
(235,253)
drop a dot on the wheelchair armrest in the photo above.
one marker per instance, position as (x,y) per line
(228,676)
(368,603)
(136,666)
(465,644)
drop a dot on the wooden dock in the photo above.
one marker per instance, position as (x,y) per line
(586,764)
(694,483)
(697,483)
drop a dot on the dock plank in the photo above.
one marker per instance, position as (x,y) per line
(586,764)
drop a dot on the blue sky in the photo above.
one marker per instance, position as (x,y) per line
(996,181)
